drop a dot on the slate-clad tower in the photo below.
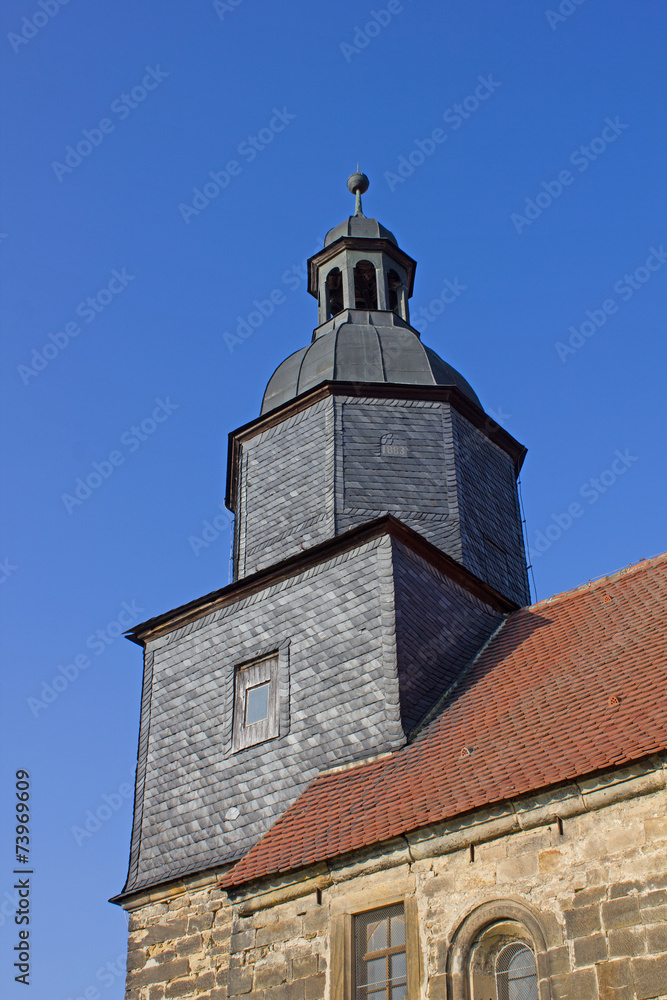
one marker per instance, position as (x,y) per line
(377,546)
(393,429)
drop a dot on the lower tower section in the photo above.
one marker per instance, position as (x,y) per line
(335,656)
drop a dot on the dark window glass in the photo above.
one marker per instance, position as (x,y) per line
(380,959)
(393,284)
(365,286)
(334,292)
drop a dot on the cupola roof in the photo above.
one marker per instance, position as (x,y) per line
(362,287)
(360,226)
(362,347)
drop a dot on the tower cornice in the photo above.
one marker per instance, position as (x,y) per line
(377,390)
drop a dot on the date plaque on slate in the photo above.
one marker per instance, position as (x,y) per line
(390,444)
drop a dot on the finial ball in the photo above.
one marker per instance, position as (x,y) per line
(357,182)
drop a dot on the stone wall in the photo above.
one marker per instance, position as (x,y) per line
(595,884)
(179,945)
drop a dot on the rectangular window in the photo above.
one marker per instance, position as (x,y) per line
(380,958)
(376,955)
(256,702)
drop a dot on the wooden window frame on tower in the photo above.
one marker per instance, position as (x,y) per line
(268,663)
(249,677)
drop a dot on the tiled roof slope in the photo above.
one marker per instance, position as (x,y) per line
(537,707)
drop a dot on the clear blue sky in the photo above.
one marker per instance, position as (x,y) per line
(198,83)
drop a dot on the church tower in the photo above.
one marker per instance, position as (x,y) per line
(377,546)
(366,421)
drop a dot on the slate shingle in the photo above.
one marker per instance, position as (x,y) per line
(322,470)
(357,681)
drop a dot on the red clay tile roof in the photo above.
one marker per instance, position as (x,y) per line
(537,707)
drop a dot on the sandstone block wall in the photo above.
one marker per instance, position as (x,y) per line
(179,946)
(597,889)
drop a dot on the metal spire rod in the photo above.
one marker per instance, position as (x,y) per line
(357,184)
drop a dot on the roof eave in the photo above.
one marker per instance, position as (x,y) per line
(353,538)
(395,390)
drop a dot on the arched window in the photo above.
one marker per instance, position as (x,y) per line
(499,952)
(334,292)
(516,974)
(365,286)
(393,283)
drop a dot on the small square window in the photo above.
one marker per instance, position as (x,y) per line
(256,717)
(257,703)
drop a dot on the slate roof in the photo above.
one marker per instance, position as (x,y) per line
(359,226)
(565,688)
(362,346)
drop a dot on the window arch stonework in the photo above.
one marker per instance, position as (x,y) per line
(480,938)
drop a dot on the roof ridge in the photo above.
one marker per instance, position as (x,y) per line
(628,570)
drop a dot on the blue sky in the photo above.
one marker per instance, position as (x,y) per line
(541,199)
